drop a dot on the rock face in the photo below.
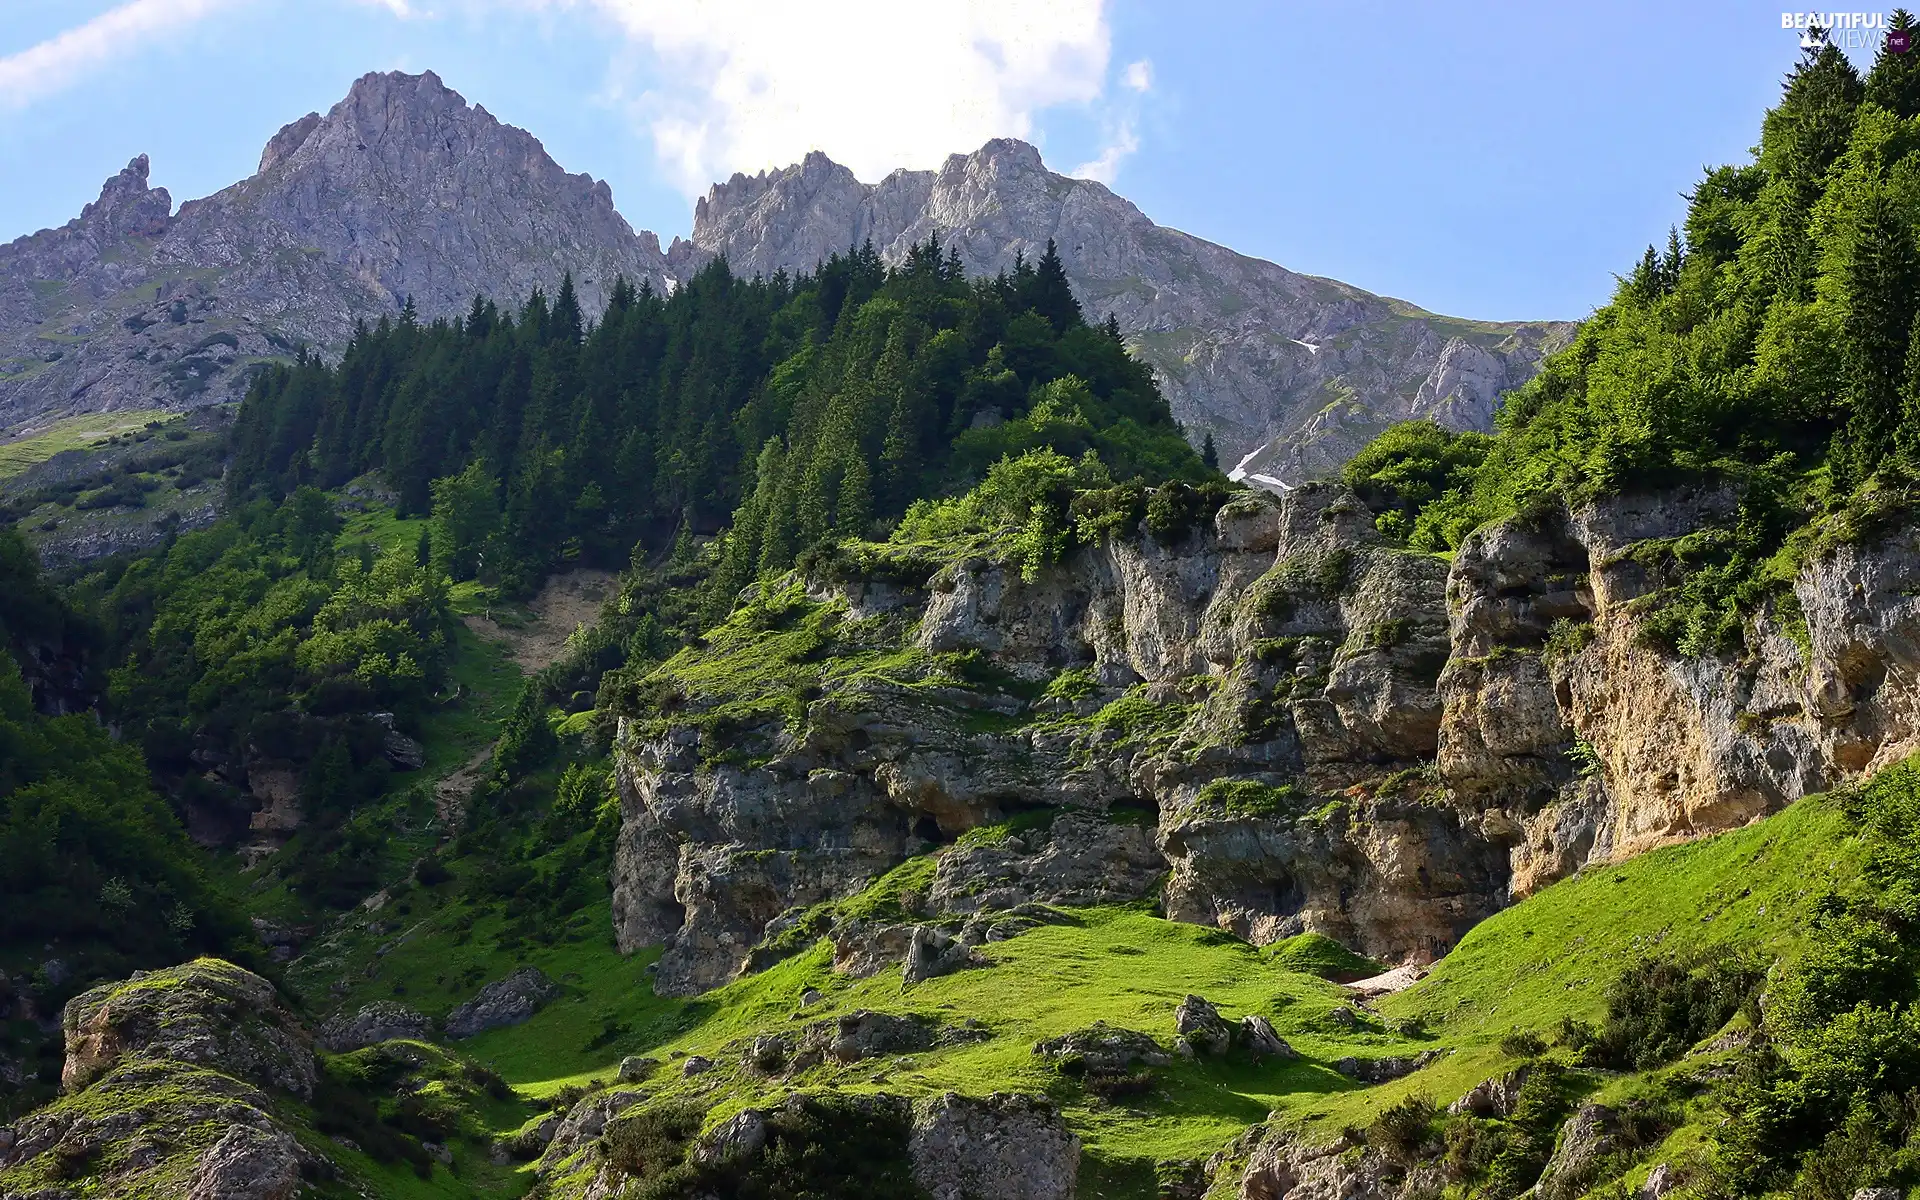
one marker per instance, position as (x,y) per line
(1285,661)
(1014,1147)
(504,1002)
(401,190)
(171,1080)
(1582,742)
(1277,722)
(1291,372)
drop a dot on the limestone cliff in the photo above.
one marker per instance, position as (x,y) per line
(1321,732)
(1259,689)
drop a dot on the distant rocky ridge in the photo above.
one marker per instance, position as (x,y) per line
(403,190)
(1290,373)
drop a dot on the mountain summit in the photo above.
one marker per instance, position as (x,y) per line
(404,190)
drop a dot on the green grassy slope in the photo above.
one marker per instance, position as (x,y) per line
(73,433)
(1550,957)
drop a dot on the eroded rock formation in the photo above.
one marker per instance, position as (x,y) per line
(1304,728)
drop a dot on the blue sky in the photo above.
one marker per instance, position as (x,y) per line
(1487,160)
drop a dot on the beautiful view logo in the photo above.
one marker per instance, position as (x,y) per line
(1848,31)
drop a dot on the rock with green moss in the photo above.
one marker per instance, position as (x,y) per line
(207,1013)
(175,1083)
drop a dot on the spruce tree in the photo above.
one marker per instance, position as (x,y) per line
(1809,128)
(1051,295)
(1209,455)
(1894,81)
(1907,436)
(1879,275)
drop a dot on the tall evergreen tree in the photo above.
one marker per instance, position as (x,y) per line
(1894,81)
(1880,274)
(1809,128)
(1051,295)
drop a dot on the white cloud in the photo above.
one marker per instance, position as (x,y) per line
(751,84)
(742,85)
(45,68)
(1106,167)
(1122,139)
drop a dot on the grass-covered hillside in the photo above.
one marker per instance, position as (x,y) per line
(1606,984)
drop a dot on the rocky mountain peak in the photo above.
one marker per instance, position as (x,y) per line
(1244,349)
(128,206)
(405,190)
(291,137)
(402,190)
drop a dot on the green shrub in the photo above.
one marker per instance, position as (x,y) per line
(1402,1130)
(1659,1007)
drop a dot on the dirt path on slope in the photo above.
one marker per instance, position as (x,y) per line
(565,604)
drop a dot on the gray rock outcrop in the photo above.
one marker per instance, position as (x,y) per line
(207,1013)
(1011,1147)
(504,1002)
(1291,655)
(173,1080)
(1104,1049)
(371,1024)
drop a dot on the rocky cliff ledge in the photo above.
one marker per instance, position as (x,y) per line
(1272,720)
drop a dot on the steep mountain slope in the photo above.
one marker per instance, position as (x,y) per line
(402,190)
(1290,372)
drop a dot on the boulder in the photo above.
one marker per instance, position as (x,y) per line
(380,1021)
(1009,1147)
(1105,1049)
(1384,1069)
(634,1069)
(206,1013)
(1257,1038)
(248,1163)
(1200,1028)
(932,953)
(584,1122)
(742,1135)
(1494,1097)
(403,752)
(862,1034)
(1587,1141)
(504,1002)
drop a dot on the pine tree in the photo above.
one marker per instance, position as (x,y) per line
(1879,275)
(1907,437)
(567,323)
(1209,455)
(1894,81)
(1051,295)
(1809,128)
